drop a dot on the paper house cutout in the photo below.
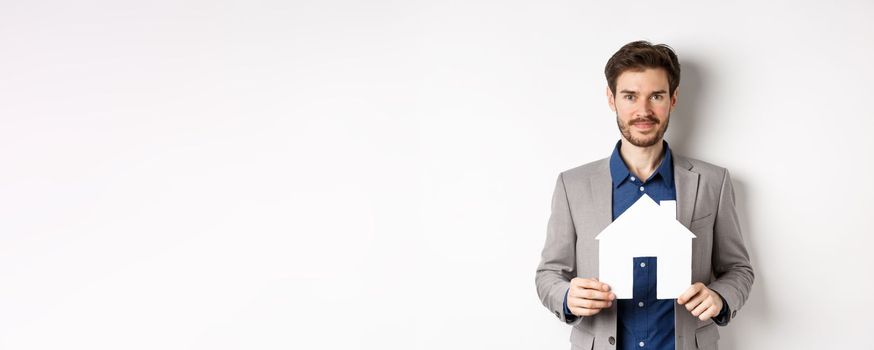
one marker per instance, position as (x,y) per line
(646,229)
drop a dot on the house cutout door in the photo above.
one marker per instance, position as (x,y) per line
(645,276)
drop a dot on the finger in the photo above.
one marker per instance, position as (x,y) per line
(710,313)
(595,304)
(689,293)
(585,283)
(589,283)
(703,306)
(588,303)
(581,311)
(697,300)
(588,293)
(595,295)
(577,283)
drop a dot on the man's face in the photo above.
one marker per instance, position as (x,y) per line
(642,105)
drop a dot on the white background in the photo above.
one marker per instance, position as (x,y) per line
(377,175)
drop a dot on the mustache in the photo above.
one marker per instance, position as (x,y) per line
(648,119)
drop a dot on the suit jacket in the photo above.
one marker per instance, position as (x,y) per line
(582,207)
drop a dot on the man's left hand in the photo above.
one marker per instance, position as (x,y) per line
(701,301)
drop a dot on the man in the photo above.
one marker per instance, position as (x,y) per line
(643,81)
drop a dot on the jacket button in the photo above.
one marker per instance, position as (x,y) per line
(733,313)
(557,315)
(612,340)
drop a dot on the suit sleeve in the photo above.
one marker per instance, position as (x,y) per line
(731,262)
(558,260)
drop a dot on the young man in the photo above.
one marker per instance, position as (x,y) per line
(642,89)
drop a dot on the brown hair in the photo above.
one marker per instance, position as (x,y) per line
(639,55)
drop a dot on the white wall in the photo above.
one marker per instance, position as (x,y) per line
(377,175)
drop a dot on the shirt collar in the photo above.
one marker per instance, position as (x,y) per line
(619,171)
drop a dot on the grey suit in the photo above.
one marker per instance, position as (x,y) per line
(582,207)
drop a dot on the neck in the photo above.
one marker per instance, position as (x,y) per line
(641,161)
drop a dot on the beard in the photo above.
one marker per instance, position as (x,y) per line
(645,141)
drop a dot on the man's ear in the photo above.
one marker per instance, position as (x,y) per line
(610,100)
(674,98)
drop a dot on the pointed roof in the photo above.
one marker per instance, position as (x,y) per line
(645,210)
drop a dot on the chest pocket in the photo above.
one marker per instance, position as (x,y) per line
(703,222)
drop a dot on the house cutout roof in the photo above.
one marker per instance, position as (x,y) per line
(646,229)
(645,217)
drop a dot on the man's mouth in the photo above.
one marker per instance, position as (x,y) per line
(644,125)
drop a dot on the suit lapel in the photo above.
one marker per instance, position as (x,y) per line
(686,183)
(602,195)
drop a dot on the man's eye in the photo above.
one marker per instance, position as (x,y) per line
(628,97)
(657,97)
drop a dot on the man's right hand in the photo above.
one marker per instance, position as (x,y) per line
(587,296)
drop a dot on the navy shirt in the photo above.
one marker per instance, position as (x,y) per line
(644,322)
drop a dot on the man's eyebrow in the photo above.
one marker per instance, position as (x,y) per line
(632,92)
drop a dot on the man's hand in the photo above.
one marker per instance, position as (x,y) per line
(701,301)
(587,296)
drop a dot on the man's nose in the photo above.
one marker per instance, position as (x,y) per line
(643,108)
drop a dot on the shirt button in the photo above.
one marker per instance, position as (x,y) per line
(641,344)
(641,188)
(632,178)
(642,264)
(640,304)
